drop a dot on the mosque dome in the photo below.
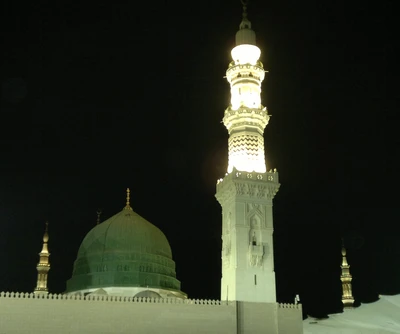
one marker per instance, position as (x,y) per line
(125,251)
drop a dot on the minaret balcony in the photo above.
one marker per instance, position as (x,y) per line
(245,71)
(244,117)
(246,185)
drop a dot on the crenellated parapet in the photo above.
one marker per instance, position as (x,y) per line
(91,314)
(243,117)
(124,299)
(261,186)
(237,72)
(108,298)
(289,306)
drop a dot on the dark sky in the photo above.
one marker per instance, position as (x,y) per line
(98,98)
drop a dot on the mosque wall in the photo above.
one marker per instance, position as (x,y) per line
(290,318)
(27,313)
(257,318)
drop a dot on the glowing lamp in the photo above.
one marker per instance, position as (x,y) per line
(246,54)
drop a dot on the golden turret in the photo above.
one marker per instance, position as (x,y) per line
(347,297)
(43,266)
(99,212)
(128,199)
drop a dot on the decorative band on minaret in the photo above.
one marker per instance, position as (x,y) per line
(247,190)
(347,296)
(43,266)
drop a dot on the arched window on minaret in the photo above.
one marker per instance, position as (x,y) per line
(255,231)
(254,241)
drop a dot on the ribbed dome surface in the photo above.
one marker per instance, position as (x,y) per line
(124,251)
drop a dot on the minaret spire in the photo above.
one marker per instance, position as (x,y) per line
(245,35)
(347,297)
(244,3)
(128,199)
(43,266)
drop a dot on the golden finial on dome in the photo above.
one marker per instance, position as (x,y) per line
(128,199)
(99,212)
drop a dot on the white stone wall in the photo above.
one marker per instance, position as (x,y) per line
(26,313)
(257,318)
(289,318)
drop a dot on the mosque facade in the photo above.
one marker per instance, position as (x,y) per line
(124,278)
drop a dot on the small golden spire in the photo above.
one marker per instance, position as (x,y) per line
(99,212)
(43,266)
(128,199)
(347,296)
(46,233)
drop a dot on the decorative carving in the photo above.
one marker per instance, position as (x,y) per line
(226,250)
(255,223)
(262,191)
(249,188)
(249,207)
(246,151)
(256,254)
(240,188)
(256,191)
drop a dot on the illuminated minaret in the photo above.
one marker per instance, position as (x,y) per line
(247,190)
(347,297)
(43,266)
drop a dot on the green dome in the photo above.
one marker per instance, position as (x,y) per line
(124,251)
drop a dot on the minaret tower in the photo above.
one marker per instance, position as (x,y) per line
(43,266)
(347,297)
(247,190)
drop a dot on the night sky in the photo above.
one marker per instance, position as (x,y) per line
(95,99)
